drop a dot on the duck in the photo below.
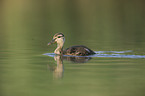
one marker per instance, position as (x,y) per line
(79,50)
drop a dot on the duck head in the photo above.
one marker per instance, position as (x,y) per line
(59,39)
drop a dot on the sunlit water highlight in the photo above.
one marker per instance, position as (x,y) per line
(114,54)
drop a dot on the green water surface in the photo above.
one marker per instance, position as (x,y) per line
(26,26)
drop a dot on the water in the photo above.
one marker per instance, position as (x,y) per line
(102,54)
(101,74)
(28,72)
(113,29)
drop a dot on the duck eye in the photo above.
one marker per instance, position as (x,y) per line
(59,37)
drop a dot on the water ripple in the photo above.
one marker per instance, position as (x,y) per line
(113,54)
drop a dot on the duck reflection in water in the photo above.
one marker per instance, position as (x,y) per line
(76,59)
(58,69)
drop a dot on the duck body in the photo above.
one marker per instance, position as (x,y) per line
(74,50)
(79,50)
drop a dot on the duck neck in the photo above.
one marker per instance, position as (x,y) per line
(59,49)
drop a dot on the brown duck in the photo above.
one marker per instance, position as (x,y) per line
(74,50)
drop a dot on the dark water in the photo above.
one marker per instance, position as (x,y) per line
(114,29)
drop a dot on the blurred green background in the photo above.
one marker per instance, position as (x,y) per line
(100,20)
(26,26)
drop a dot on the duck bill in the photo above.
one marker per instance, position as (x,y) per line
(51,42)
